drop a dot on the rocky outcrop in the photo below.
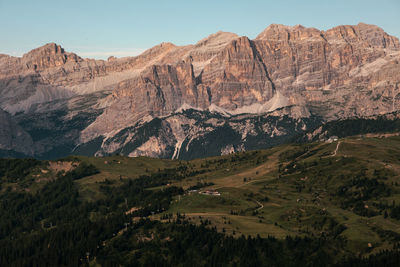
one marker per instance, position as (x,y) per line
(192,133)
(13,137)
(48,56)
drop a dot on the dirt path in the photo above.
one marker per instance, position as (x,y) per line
(249,182)
(336,150)
(192,214)
(260,204)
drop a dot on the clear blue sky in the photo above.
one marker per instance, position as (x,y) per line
(97,28)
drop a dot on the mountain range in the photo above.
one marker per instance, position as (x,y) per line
(224,94)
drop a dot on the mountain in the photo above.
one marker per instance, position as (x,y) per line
(192,134)
(68,104)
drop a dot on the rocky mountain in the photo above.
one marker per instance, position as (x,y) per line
(287,79)
(191,134)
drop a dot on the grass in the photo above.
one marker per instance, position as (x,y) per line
(117,168)
(288,211)
(296,185)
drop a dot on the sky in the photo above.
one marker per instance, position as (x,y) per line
(98,28)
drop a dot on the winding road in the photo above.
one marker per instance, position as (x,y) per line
(260,204)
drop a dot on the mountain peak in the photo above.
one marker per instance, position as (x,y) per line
(280,32)
(49,48)
(370,34)
(48,55)
(217,38)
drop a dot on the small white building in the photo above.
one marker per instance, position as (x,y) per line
(210,193)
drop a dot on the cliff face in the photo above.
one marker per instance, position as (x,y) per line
(13,137)
(342,72)
(334,72)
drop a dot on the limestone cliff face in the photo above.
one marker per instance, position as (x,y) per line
(326,72)
(237,76)
(308,59)
(334,72)
(350,70)
(233,78)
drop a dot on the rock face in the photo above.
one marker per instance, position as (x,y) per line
(191,133)
(343,72)
(13,137)
(334,69)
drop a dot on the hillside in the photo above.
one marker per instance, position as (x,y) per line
(381,125)
(320,203)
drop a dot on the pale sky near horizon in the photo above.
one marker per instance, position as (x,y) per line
(100,28)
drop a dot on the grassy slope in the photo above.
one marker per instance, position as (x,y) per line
(115,168)
(244,184)
(260,190)
(290,212)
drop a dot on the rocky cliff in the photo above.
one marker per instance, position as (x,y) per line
(13,137)
(343,72)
